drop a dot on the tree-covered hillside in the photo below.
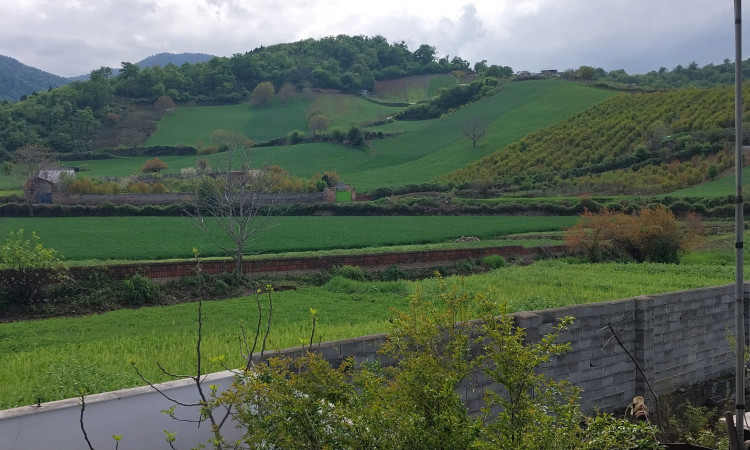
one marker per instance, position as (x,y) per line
(633,143)
(18,80)
(68,119)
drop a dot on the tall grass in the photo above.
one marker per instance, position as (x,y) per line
(54,358)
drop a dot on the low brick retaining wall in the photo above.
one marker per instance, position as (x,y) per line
(297,265)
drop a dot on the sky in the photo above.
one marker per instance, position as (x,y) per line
(73,37)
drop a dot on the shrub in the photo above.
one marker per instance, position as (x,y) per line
(153,165)
(350,272)
(653,234)
(295,137)
(393,273)
(138,290)
(28,268)
(158,188)
(494,261)
(414,403)
(203,151)
(93,288)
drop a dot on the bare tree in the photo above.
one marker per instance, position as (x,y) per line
(475,129)
(285,92)
(32,159)
(234,204)
(164,104)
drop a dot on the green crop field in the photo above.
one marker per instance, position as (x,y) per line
(56,358)
(150,238)
(194,125)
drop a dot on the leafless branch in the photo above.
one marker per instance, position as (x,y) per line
(85,435)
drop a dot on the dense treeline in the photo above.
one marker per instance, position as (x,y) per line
(449,99)
(714,207)
(633,143)
(692,75)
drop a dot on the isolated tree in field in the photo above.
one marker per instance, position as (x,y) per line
(586,73)
(262,94)
(7,168)
(233,204)
(317,122)
(285,92)
(153,165)
(308,94)
(475,129)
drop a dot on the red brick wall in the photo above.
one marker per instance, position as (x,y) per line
(268,266)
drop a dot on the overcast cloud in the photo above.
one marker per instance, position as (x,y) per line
(72,37)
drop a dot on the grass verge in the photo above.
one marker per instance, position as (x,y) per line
(55,358)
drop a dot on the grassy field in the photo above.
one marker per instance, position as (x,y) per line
(55,358)
(194,125)
(149,238)
(439,147)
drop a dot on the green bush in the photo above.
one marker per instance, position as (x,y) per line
(350,272)
(138,290)
(494,261)
(93,288)
(28,268)
(393,273)
(343,285)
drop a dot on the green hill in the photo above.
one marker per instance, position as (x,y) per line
(193,125)
(419,152)
(435,147)
(632,144)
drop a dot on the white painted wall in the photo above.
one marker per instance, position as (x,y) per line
(135,414)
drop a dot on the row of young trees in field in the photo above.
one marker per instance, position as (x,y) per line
(633,143)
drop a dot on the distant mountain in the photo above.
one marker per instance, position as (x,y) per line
(18,80)
(160,59)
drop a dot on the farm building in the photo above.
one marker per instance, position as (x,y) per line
(46,181)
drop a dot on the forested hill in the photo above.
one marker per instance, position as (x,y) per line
(631,144)
(67,119)
(18,80)
(178,59)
